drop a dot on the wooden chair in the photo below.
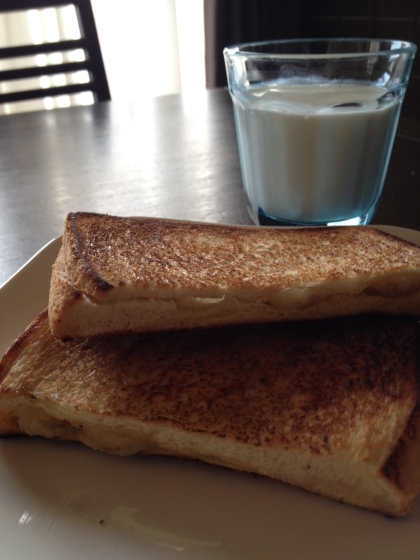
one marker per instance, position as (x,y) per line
(89,42)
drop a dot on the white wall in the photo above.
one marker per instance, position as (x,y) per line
(151,47)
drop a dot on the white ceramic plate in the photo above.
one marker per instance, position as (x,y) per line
(64,501)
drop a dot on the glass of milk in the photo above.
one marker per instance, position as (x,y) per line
(315,122)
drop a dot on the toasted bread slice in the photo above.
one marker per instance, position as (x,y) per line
(119,275)
(330,406)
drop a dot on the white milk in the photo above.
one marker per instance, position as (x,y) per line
(304,159)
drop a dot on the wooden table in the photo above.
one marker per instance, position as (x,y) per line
(173,157)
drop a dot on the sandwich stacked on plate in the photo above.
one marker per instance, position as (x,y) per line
(291,353)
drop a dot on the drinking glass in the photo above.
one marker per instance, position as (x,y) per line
(315,122)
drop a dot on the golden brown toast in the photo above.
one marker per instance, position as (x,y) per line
(329,406)
(118,275)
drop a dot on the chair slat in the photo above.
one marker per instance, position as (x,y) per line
(43,48)
(39,93)
(51,69)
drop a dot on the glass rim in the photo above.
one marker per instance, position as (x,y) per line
(240,49)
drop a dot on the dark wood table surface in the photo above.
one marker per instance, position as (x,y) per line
(172,157)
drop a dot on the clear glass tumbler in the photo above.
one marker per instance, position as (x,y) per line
(315,122)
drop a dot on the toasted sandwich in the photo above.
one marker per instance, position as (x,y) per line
(122,275)
(329,406)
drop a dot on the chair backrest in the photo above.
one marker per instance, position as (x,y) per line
(89,43)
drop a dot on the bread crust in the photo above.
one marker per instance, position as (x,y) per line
(118,275)
(329,406)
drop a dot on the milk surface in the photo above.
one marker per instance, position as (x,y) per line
(314,153)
